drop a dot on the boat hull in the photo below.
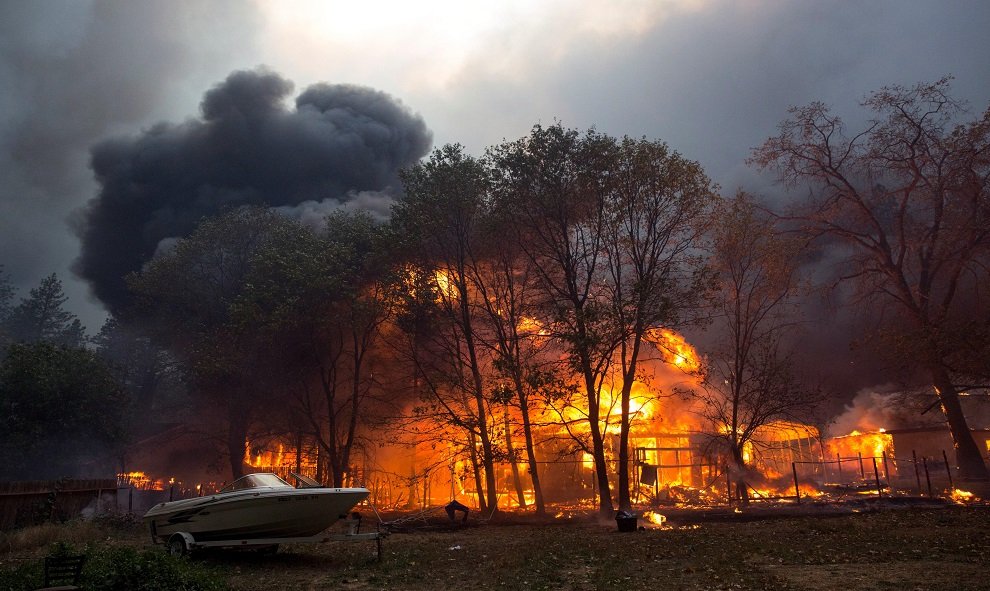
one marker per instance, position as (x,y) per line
(279,513)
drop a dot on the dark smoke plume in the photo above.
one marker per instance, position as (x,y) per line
(339,143)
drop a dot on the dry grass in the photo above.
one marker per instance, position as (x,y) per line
(78,532)
(889,549)
(885,550)
(41,536)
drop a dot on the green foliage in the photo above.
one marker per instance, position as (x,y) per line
(56,405)
(109,568)
(113,568)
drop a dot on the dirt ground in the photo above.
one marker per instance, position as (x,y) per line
(886,549)
(878,548)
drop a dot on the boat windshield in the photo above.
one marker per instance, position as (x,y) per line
(256,481)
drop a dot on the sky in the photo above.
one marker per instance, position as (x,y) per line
(95,87)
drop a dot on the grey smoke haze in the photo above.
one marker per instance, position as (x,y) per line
(71,73)
(248,147)
(710,77)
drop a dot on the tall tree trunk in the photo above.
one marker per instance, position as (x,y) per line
(628,377)
(358,361)
(482,505)
(739,462)
(512,459)
(968,456)
(534,471)
(605,509)
(487,452)
(625,502)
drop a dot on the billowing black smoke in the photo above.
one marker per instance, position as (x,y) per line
(339,143)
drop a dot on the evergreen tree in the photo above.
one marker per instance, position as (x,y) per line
(41,317)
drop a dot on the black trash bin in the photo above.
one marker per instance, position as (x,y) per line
(626,521)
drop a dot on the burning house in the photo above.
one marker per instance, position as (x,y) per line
(673,455)
(676,454)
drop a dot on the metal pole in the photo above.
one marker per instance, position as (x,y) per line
(838,460)
(876,474)
(862,469)
(886,469)
(928,478)
(917,472)
(130,500)
(797,489)
(948,470)
(821,448)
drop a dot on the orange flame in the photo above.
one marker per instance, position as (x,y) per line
(675,349)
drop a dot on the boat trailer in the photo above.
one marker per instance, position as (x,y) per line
(184,543)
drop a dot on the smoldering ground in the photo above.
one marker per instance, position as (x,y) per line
(336,143)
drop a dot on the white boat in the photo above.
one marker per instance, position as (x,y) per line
(256,506)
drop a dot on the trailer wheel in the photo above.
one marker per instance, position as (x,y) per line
(177,545)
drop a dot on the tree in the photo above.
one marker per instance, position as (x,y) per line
(319,300)
(750,380)
(554,184)
(41,317)
(187,296)
(908,197)
(147,373)
(444,203)
(659,205)
(506,290)
(60,407)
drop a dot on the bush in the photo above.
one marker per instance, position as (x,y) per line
(110,568)
(147,570)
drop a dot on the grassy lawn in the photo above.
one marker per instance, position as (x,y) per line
(933,548)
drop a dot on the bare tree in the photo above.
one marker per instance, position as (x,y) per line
(908,196)
(658,208)
(439,215)
(552,183)
(505,285)
(749,378)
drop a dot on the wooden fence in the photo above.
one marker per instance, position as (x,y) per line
(35,501)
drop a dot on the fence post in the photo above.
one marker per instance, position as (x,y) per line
(948,470)
(728,485)
(886,470)
(862,469)
(928,478)
(797,489)
(821,448)
(917,472)
(838,460)
(876,474)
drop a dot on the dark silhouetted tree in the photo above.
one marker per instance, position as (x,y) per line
(61,413)
(909,197)
(41,317)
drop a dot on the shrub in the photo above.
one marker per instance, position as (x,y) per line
(147,570)
(110,568)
